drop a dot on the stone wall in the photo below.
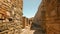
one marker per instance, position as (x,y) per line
(53,17)
(30,21)
(47,18)
(25,21)
(11,16)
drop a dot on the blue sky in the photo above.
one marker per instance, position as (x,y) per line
(30,7)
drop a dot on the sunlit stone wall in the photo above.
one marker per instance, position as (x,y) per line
(11,16)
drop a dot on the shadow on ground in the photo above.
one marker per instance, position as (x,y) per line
(38,29)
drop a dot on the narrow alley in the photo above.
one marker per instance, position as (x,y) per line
(29,16)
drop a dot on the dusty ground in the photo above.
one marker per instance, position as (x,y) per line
(27,31)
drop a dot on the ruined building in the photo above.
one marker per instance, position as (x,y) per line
(30,21)
(47,19)
(11,16)
(25,21)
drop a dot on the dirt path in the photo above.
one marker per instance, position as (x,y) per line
(27,31)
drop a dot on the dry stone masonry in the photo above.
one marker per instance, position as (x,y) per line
(11,16)
(47,19)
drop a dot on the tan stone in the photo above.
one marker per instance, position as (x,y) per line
(47,18)
(11,12)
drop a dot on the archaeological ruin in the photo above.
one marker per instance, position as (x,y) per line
(11,16)
(47,18)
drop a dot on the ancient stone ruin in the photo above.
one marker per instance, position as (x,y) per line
(11,16)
